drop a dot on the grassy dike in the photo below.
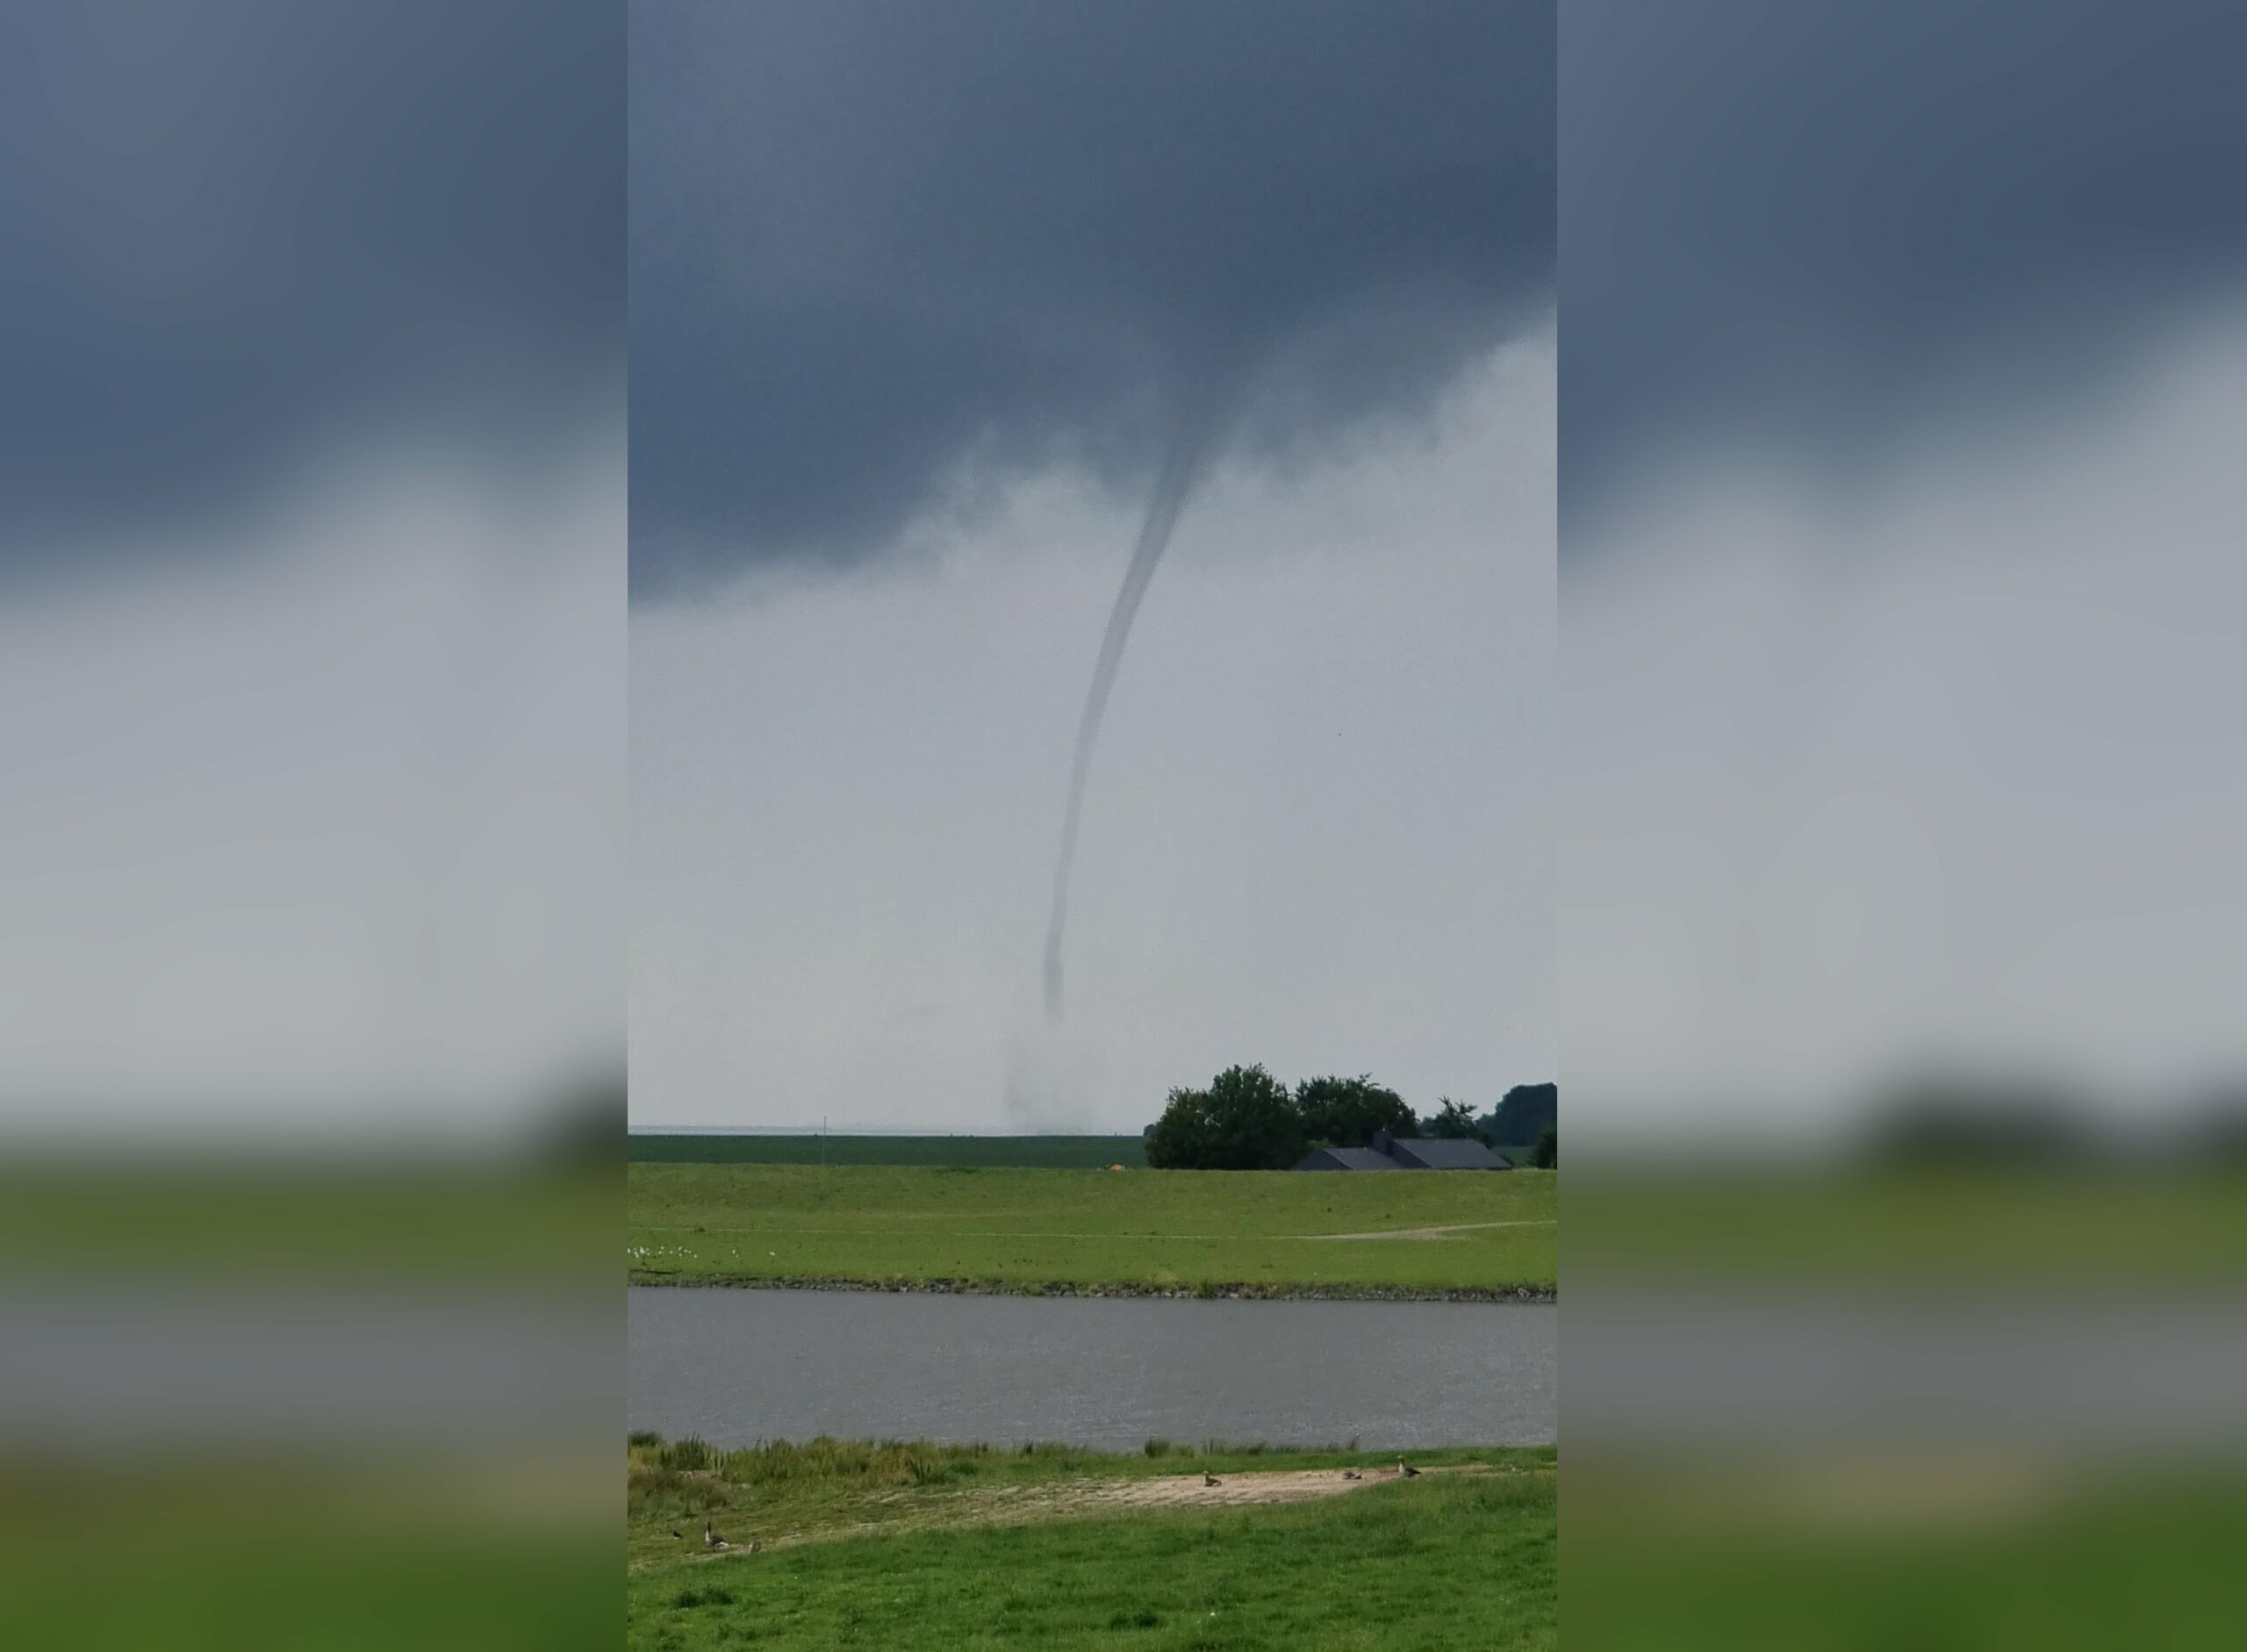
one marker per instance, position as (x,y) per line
(1025,1229)
(909,1545)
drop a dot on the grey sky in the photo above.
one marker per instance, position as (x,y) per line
(1319,836)
(1951,778)
(311,567)
(1816,227)
(918,294)
(245,236)
(1905,386)
(873,240)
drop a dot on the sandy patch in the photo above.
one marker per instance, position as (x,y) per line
(1022,1505)
(1287,1485)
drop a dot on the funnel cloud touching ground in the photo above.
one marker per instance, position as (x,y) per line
(886,258)
(1190,448)
(936,311)
(1320,837)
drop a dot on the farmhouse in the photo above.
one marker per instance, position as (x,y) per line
(1348,1159)
(1386,1151)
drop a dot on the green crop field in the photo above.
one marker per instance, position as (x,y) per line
(1948,1552)
(213,1548)
(1028,1229)
(920,1546)
(2066,1227)
(1052,1153)
(275,1218)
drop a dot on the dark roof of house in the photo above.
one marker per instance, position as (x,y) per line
(1347,1159)
(1442,1153)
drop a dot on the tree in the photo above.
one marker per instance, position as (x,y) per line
(1546,1155)
(1452,1120)
(1522,1114)
(1345,1112)
(1245,1120)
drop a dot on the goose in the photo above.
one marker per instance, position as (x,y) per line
(1209,1479)
(1352,1474)
(1407,1469)
(710,1538)
(681,1536)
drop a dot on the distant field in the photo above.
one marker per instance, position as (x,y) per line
(271,1216)
(2111,1225)
(1009,1228)
(919,1546)
(1052,1152)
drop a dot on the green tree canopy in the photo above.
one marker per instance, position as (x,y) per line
(1547,1156)
(1345,1112)
(1452,1121)
(1522,1114)
(1245,1120)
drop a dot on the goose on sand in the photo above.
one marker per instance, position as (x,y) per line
(1407,1469)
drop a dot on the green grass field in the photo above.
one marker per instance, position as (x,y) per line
(910,1547)
(219,1552)
(1050,1152)
(1696,1556)
(336,1222)
(1030,1229)
(2096,1225)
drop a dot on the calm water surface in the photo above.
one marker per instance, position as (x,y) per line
(2099,1373)
(740,1366)
(187,1364)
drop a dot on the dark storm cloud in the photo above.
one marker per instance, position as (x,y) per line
(1812,225)
(241,233)
(872,240)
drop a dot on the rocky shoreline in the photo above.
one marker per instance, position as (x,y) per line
(1200,1293)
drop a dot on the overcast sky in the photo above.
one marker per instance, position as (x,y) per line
(1906,372)
(312,571)
(919,297)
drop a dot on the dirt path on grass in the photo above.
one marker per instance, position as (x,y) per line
(1076,1499)
(795,1234)
(1435,1232)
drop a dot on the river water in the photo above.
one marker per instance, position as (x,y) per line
(106,1367)
(737,1367)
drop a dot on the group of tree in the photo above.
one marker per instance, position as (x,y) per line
(1523,1115)
(1247,1120)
